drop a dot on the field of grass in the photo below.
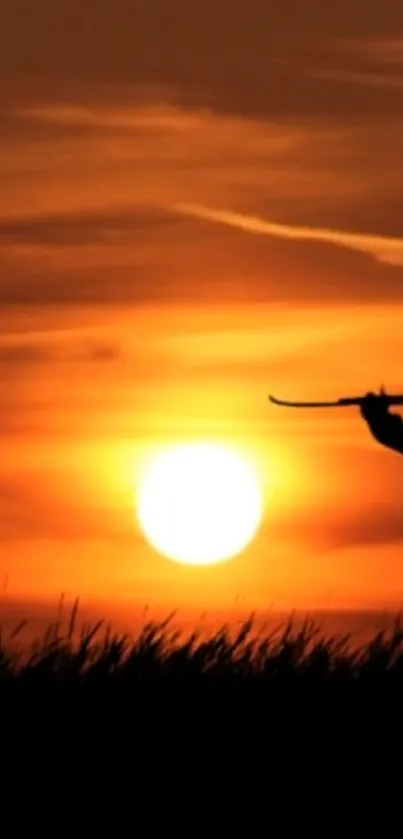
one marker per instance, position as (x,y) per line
(288,659)
(242,701)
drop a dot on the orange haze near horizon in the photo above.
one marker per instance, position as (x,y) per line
(178,239)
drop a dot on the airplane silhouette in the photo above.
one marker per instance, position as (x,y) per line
(385,427)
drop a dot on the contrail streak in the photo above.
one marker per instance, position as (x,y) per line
(381,248)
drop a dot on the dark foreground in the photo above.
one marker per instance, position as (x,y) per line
(162,710)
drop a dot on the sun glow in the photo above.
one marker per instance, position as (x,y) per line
(199,504)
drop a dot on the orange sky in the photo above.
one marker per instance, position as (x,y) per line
(190,218)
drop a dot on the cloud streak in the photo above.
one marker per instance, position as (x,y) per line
(382,248)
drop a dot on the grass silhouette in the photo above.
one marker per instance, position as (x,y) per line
(159,657)
(97,700)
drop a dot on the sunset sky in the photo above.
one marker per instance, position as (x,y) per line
(201,203)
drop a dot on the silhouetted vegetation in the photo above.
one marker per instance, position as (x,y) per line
(166,704)
(160,657)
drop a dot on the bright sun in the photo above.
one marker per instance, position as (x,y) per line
(199,504)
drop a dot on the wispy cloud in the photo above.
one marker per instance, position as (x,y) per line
(370,79)
(164,117)
(382,248)
(381,50)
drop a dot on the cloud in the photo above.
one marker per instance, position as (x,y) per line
(93,161)
(146,118)
(373,527)
(39,507)
(163,264)
(19,354)
(354,498)
(83,227)
(346,174)
(382,248)
(222,57)
(378,50)
(15,355)
(371,79)
(369,528)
